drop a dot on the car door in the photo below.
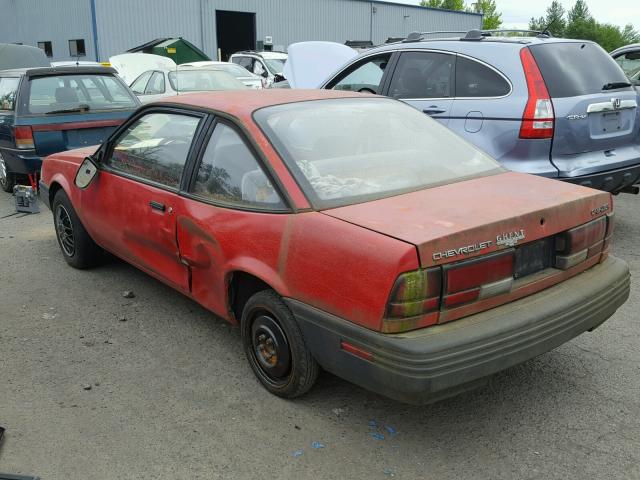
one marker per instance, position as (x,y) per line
(482,110)
(367,75)
(232,217)
(132,206)
(425,80)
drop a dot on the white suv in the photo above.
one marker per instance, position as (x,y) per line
(268,65)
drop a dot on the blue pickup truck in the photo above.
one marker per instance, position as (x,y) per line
(49,110)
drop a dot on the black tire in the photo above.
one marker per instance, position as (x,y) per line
(78,248)
(295,370)
(7,179)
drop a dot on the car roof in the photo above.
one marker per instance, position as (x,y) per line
(242,103)
(627,48)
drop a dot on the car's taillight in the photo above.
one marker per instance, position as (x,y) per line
(611,223)
(477,278)
(579,243)
(538,117)
(24,137)
(414,301)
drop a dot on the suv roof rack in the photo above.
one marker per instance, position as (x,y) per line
(472,35)
(256,52)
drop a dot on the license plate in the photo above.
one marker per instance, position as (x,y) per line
(611,122)
(533,257)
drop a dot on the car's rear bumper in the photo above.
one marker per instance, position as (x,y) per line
(610,181)
(436,362)
(21,162)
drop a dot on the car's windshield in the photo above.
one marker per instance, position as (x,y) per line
(78,93)
(275,65)
(198,80)
(344,151)
(233,69)
(630,63)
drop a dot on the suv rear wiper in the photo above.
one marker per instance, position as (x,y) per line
(79,108)
(614,85)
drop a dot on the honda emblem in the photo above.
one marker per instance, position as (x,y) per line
(615,102)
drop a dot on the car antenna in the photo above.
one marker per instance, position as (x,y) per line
(545,30)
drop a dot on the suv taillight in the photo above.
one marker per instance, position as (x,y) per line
(538,117)
(24,137)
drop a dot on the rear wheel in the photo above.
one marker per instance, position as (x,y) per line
(7,179)
(275,348)
(78,248)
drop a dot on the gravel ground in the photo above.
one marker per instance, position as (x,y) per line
(171,395)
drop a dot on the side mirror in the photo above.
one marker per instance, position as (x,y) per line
(86,173)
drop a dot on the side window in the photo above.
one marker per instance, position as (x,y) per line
(630,63)
(155,147)
(229,172)
(246,62)
(474,79)
(423,75)
(156,84)
(364,76)
(140,83)
(8,92)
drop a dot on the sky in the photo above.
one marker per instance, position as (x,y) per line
(516,13)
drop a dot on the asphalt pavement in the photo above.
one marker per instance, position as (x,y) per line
(94,385)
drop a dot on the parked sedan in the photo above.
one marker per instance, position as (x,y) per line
(343,231)
(155,85)
(48,110)
(240,73)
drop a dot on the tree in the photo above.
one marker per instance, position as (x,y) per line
(446,4)
(579,12)
(630,34)
(553,21)
(491,18)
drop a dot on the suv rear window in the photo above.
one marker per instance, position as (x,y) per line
(8,91)
(77,93)
(574,69)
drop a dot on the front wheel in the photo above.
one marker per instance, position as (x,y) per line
(78,248)
(275,347)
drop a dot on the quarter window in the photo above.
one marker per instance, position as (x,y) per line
(140,83)
(155,147)
(423,75)
(474,79)
(156,84)
(365,76)
(229,172)
(8,91)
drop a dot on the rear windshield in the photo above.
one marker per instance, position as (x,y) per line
(574,69)
(198,80)
(345,151)
(8,91)
(77,93)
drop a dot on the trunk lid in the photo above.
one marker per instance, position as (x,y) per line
(475,217)
(597,120)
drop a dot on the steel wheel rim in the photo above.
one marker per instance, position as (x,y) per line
(64,227)
(3,172)
(270,351)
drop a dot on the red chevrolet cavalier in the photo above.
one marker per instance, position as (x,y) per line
(343,231)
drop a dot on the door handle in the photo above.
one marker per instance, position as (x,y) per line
(433,110)
(157,206)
